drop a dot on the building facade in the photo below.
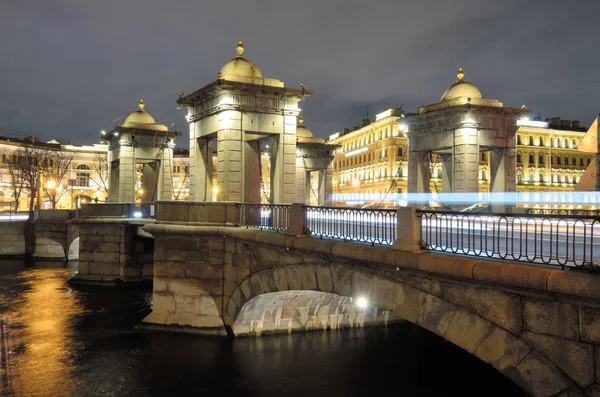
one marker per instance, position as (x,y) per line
(85,179)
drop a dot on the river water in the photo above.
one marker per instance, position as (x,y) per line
(59,340)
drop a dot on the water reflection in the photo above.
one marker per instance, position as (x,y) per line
(58,341)
(39,326)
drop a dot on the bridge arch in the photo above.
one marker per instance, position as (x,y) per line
(73,243)
(487,341)
(49,247)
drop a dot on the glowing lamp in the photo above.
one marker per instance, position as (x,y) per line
(361,302)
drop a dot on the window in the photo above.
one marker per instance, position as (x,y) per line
(519,140)
(83,175)
(530,141)
(573,146)
(531,158)
(558,160)
(541,141)
(541,159)
(400,152)
(541,176)
(519,158)
(483,156)
(574,162)
(581,161)
(566,160)
(589,161)
(558,142)
(519,178)
(551,160)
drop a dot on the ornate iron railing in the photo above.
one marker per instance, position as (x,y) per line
(556,240)
(263,216)
(374,226)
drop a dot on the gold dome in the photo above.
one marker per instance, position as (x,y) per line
(301,130)
(240,68)
(142,119)
(461,89)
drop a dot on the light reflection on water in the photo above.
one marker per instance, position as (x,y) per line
(63,341)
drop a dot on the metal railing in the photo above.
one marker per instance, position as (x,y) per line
(556,240)
(374,226)
(263,216)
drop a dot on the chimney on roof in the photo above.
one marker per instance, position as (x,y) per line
(355,128)
(555,122)
(345,131)
(365,122)
(575,125)
(565,124)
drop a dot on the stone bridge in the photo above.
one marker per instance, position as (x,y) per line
(538,326)
(50,235)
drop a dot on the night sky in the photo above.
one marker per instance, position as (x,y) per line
(69,68)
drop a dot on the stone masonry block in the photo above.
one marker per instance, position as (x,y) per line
(324,281)
(589,324)
(435,314)
(501,308)
(551,318)
(281,278)
(342,279)
(467,330)
(574,358)
(538,377)
(408,303)
(502,350)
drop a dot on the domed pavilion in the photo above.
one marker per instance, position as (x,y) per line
(140,156)
(236,112)
(458,129)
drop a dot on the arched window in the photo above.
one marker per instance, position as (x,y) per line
(530,141)
(541,159)
(566,160)
(83,175)
(531,158)
(581,161)
(558,160)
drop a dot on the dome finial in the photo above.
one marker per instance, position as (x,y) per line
(141,105)
(301,120)
(239,48)
(460,74)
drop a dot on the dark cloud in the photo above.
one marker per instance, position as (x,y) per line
(70,68)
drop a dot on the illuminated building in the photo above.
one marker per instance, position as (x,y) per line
(85,181)
(547,155)
(372,162)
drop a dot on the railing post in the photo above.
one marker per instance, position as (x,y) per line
(408,236)
(296,224)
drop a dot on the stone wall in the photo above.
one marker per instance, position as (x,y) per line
(110,250)
(12,242)
(537,326)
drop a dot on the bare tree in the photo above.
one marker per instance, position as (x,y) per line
(101,169)
(31,164)
(17,183)
(56,167)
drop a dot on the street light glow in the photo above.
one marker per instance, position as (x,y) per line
(361,302)
(51,185)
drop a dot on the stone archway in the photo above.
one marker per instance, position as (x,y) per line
(73,252)
(506,352)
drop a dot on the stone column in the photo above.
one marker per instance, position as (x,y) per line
(326,185)
(201,174)
(165,176)
(466,160)
(252,187)
(283,163)
(418,172)
(230,167)
(302,194)
(447,173)
(126,174)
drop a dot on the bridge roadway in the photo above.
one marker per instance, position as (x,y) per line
(549,241)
